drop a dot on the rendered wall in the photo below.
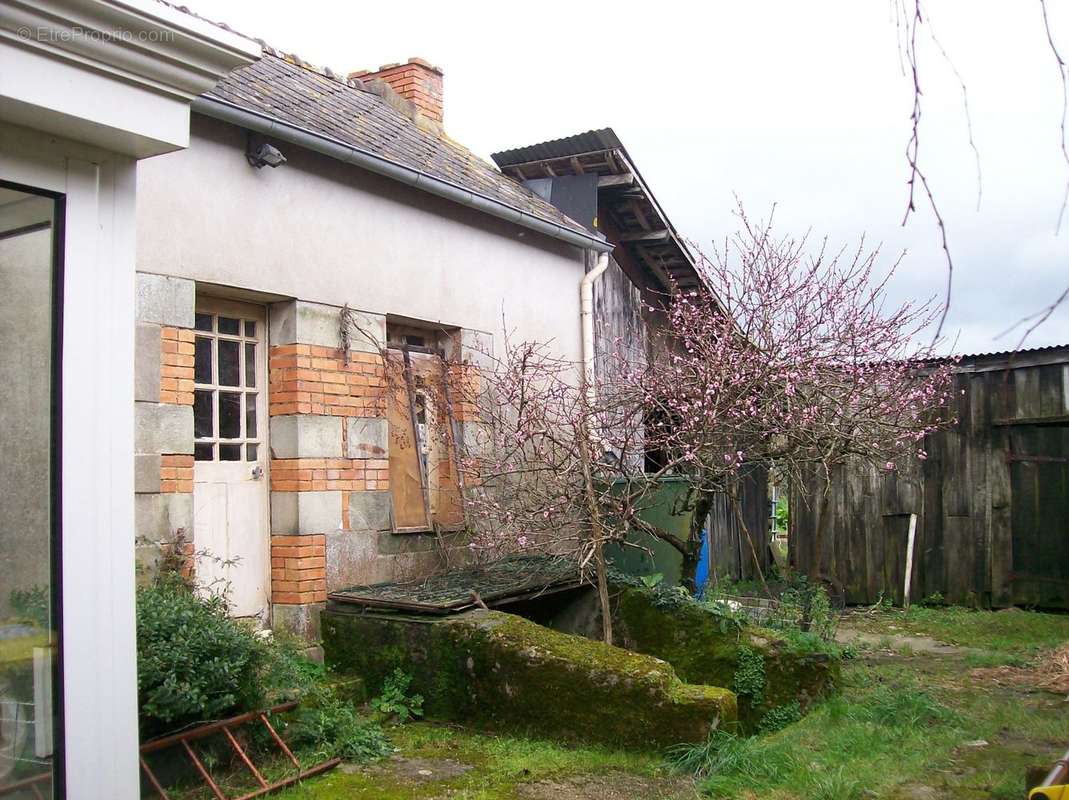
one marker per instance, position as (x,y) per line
(320,231)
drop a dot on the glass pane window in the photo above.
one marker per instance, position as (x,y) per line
(229,370)
(229,415)
(28,530)
(202,360)
(226,364)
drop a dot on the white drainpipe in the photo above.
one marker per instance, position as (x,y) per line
(586,319)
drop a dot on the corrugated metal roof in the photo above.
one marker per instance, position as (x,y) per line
(1022,352)
(601,151)
(589,142)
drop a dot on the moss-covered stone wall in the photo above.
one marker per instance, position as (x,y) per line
(505,672)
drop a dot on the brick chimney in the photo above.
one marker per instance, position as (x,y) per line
(417,81)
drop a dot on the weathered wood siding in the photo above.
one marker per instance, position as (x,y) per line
(992,499)
(729,549)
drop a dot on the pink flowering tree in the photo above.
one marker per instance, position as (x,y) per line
(789,360)
(539,465)
(786,360)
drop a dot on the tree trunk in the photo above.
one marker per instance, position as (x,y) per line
(692,551)
(596,533)
(816,564)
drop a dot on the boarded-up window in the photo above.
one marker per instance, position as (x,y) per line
(423,455)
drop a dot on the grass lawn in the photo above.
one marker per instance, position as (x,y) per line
(908,725)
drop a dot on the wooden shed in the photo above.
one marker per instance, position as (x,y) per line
(992,498)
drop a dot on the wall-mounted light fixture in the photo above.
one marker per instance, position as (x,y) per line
(260,154)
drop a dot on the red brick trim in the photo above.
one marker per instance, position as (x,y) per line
(329,474)
(176,366)
(176,474)
(309,379)
(299,569)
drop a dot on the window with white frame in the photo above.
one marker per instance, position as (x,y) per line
(227,387)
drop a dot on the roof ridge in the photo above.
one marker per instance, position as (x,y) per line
(375,86)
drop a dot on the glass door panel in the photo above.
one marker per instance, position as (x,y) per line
(28,529)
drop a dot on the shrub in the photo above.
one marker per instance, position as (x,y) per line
(194,663)
(749,677)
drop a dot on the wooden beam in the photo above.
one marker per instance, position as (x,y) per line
(647,236)
(658,272)
(640,215)
(577,166)
(610,181)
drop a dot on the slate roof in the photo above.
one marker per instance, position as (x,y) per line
(325,104)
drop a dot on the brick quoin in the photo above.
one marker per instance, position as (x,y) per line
(176,474)
(299,569)
(176,366)
(309,379)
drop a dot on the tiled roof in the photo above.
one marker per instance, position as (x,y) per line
(347,112)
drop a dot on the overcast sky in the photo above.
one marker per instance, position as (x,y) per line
(798,104)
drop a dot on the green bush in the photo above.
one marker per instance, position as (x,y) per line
(194,663)
(778,718)
(749,677)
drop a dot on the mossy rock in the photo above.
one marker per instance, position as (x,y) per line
(505,672)
(706,648)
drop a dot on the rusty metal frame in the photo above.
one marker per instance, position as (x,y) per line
(30,783)
(185,738)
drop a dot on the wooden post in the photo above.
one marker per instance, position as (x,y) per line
(909,559)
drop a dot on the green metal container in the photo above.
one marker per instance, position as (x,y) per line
(662,510)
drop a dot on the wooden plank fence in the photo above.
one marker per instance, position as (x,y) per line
(992,499)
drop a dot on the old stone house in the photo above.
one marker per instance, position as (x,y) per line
(267,436)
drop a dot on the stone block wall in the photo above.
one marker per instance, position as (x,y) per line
(329,441)
(329,467)
(163,413)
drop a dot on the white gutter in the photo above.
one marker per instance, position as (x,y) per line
(586,322)
(334,148)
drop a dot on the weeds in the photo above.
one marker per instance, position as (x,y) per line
(724,756)
(395,700)
(837,785)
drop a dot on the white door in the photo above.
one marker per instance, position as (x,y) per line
(231,528)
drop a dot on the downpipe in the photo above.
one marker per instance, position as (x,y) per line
(586,322)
